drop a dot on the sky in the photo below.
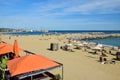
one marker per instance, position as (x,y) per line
(60,14)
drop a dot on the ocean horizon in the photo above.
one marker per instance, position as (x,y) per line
(61,32)
(107,41)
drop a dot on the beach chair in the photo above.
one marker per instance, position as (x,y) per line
(111,61)
(104,61)
(65,47)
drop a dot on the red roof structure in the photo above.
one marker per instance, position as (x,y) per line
(6,49)
(29,63)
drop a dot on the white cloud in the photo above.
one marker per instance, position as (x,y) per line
(68,7)
(96,6)
(50,13)
(63,7)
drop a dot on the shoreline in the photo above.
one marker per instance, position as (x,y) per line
(84,36)
(78,36)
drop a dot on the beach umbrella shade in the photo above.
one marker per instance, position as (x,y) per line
(2,44)
(97,48)
(16,49)
(6,49)
(80,44)
(85,43)
(100,45)
(29,63)
(69,44)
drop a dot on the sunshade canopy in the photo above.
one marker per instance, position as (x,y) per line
(100,45)
(80,44)
(16,49)
(2,44)
(29,63)
(6,49)
(69,44)
(97,48)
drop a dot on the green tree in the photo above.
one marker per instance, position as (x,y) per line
(3,65)
(57,76)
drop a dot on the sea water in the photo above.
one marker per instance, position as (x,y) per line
(61,32)
(108,41)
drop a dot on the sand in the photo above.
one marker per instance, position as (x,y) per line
(78,65)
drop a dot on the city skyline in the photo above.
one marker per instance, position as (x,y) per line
(60,14)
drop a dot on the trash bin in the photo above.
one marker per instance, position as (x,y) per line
(54,46)
(118,55)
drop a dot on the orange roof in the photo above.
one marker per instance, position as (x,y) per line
(6,48)
(29,63)
(2,44)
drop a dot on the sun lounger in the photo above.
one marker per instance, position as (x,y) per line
(66,48)
(111,61)
(105,61)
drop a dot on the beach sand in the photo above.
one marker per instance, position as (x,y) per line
(78,65)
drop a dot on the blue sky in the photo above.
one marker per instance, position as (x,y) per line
(60,14)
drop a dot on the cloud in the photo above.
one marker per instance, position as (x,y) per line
(59,13)
(71,7)
(56,8)
(96,7)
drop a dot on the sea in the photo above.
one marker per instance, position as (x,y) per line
(107,41)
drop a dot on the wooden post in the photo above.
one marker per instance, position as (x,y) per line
(31,78)
(62,72)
